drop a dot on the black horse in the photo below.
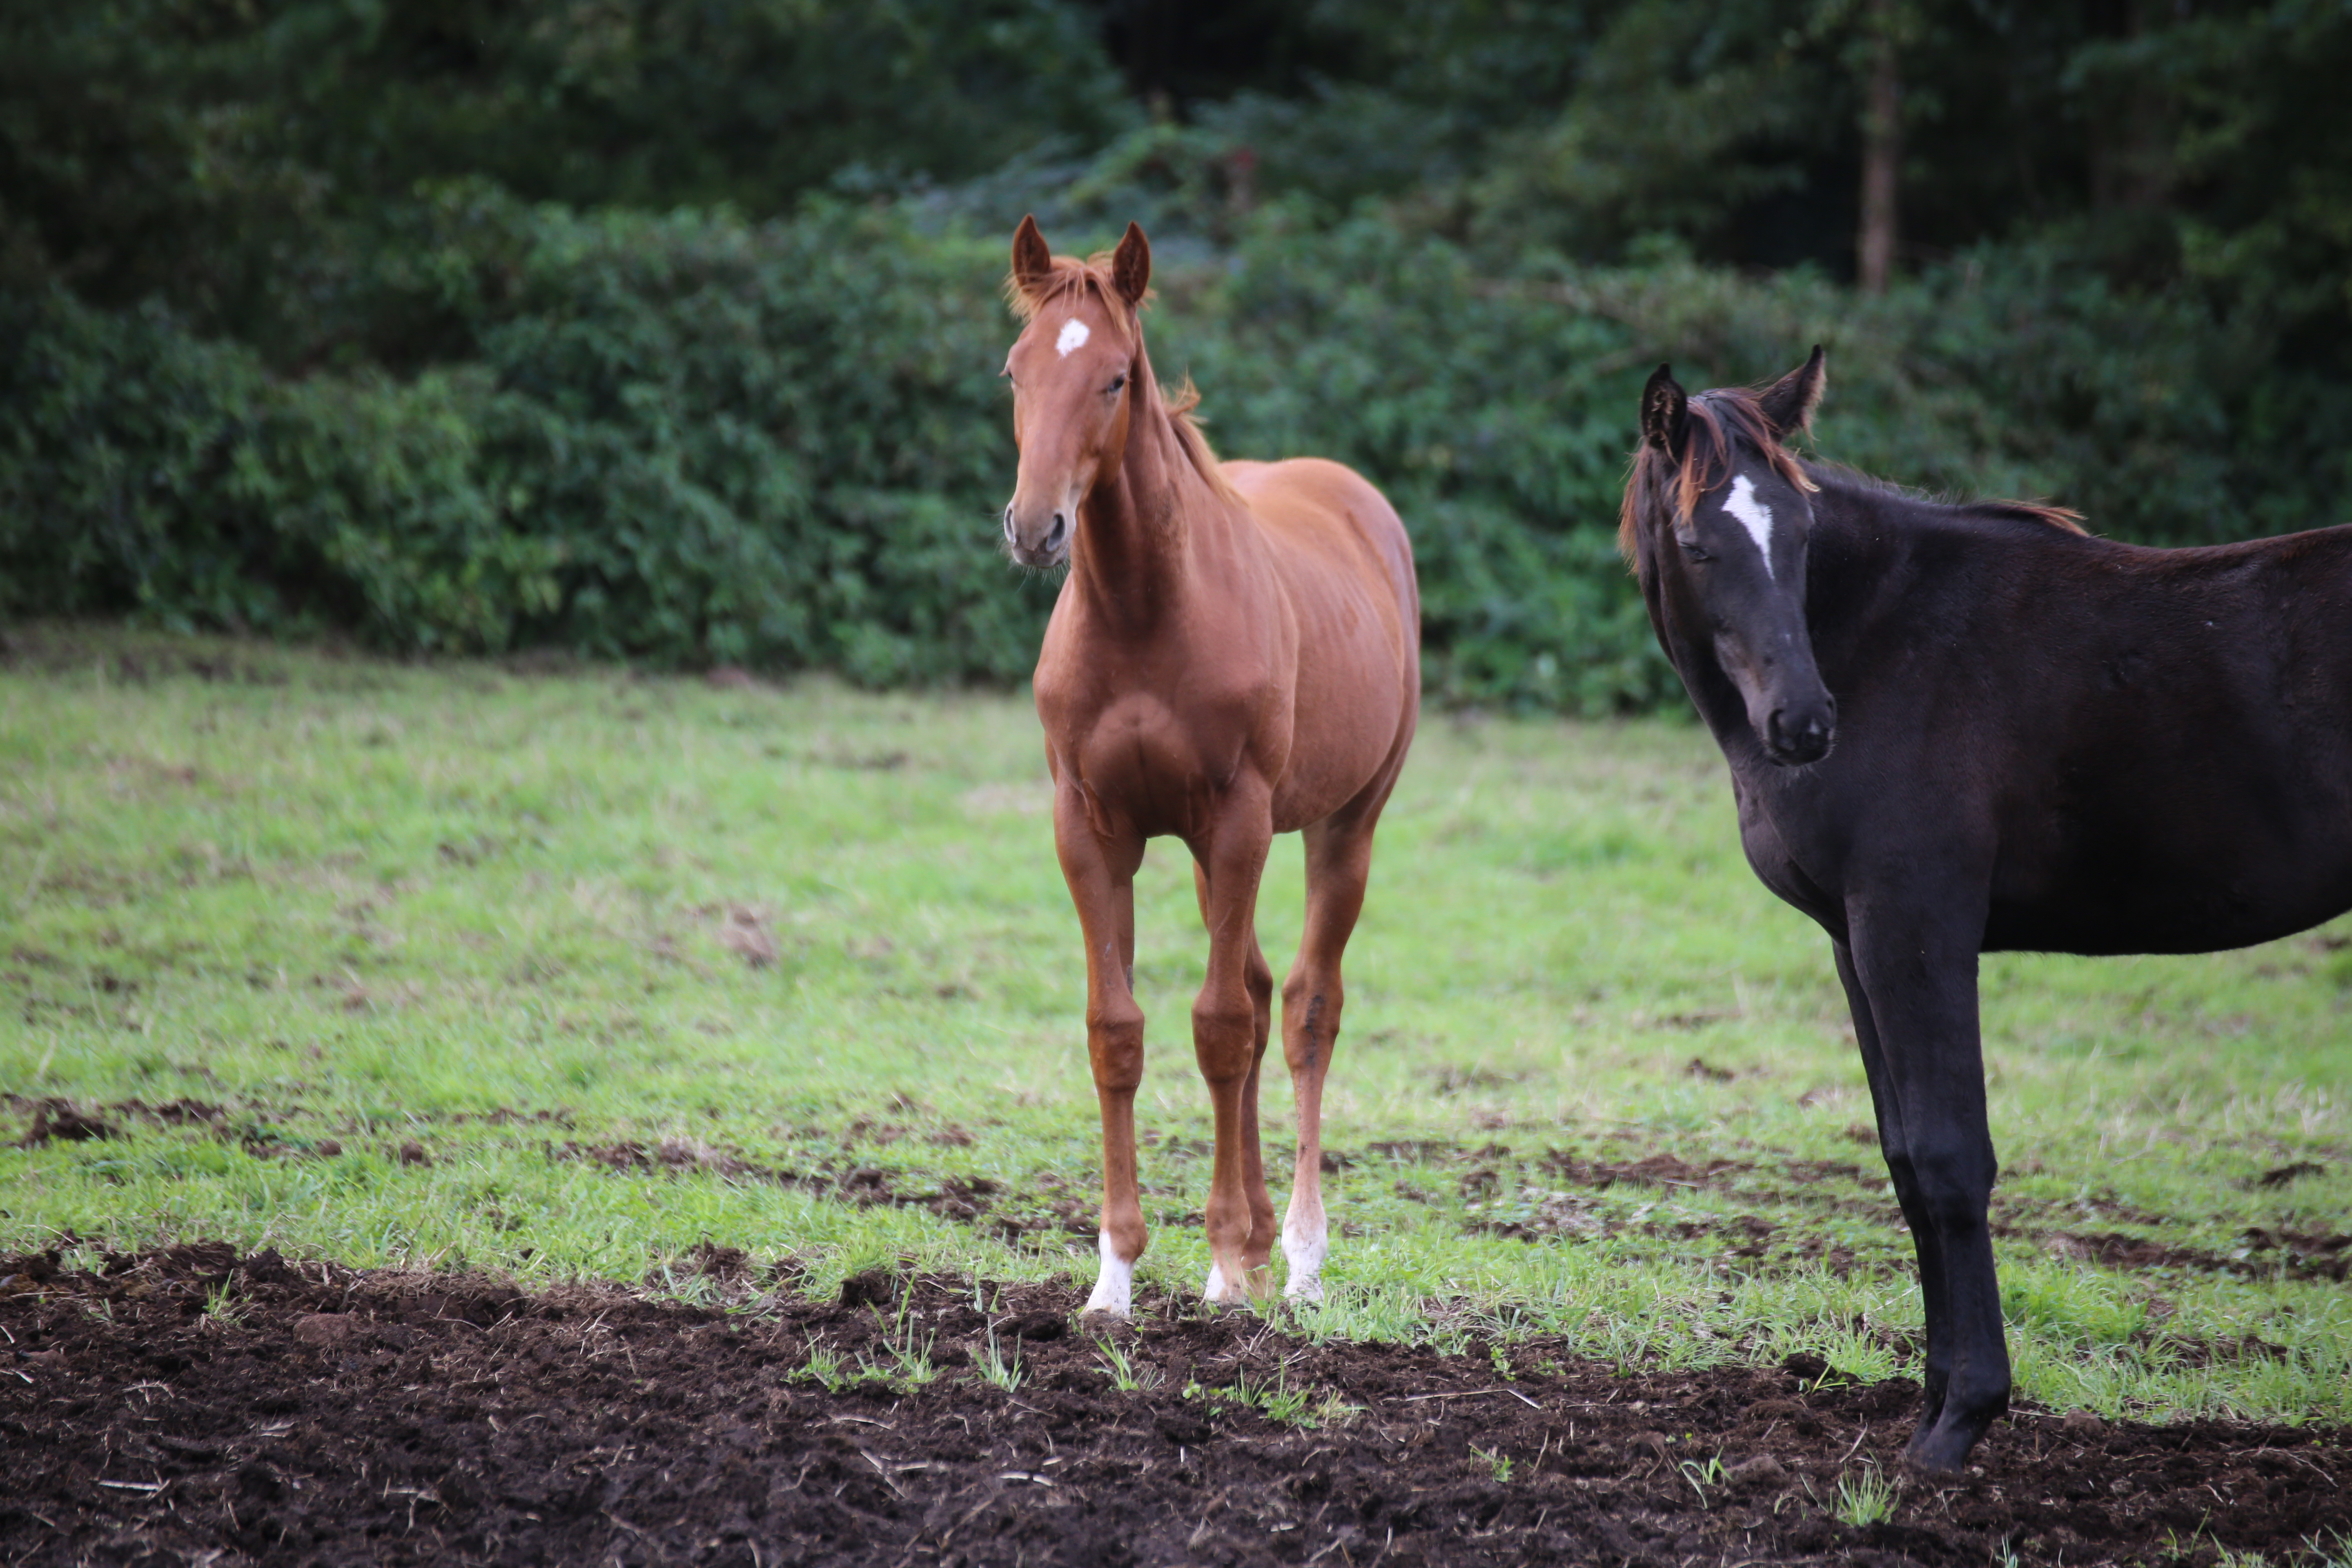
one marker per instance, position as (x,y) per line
(1958,728)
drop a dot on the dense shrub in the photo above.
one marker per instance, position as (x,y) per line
(680,439)
(690,439)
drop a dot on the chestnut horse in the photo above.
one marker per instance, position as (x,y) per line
(1235,653)
(1963,728)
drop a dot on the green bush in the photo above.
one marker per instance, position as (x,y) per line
(688,439)
(677,440)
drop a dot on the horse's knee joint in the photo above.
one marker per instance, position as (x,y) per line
(1114,1012)
(1114,1046)
(1953,1187)
(1214,1017)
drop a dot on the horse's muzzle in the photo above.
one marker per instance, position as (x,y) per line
(1801,733)
(1049,549)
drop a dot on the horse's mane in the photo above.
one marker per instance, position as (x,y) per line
(1718,418)
(1839,476)
(1715,420)
(1071,278)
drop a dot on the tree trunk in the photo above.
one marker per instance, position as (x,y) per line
(1882,153)
(2129,156)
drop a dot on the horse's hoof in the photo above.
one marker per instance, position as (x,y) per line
(1938,1451)
(1306,1292)
(1220,1291)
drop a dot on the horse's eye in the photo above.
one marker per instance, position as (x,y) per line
(1694,551)
(1116,382)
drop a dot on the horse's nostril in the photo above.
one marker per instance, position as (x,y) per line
(1061,526)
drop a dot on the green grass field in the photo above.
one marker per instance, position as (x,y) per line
(448,967)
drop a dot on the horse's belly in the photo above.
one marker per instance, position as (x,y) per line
(1331,763)
(2191,920)
(2163,905)
(1353,703)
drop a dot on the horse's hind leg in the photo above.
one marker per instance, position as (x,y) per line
(1259,977)
(1919,973)
(1101,874)
(1338,865)
(1925,1242)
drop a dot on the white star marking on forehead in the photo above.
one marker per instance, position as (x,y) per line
(1754,514)
(1074,335)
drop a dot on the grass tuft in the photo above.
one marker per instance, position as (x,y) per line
(1864,1499)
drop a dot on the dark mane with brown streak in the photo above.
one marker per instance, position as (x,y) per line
(2065,517)
(1717,420)
(1071,278)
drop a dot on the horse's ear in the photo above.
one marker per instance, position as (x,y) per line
(1033,263)
(1788,403)
(1130,266)
(1664,410)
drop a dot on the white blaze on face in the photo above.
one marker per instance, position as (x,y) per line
(1754,514)
(1074,336)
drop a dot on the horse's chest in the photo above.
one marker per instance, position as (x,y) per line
(1778,852)
(1157,768)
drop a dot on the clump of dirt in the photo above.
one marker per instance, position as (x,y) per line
(196,1404)
(960,1198)
(2295,1254)
(57,1120)
(676,1154)
(1660,1170)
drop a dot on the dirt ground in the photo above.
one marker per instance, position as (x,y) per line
(194,1407)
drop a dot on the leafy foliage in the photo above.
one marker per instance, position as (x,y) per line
(318,314)
(690,439)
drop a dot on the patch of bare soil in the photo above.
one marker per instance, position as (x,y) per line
(192,1405)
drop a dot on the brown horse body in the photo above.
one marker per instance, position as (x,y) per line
(1235,653)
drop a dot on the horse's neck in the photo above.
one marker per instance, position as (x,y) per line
(1133,553)
(1859,574)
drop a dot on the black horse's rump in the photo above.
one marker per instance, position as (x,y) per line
(1957,728)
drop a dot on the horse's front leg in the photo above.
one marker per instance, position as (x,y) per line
(1229,1036)
(1916,960)
(1259,976)
(1926,1244)
(1101,874)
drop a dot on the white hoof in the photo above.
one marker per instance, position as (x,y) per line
(1115,1285)
(1304,1247)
